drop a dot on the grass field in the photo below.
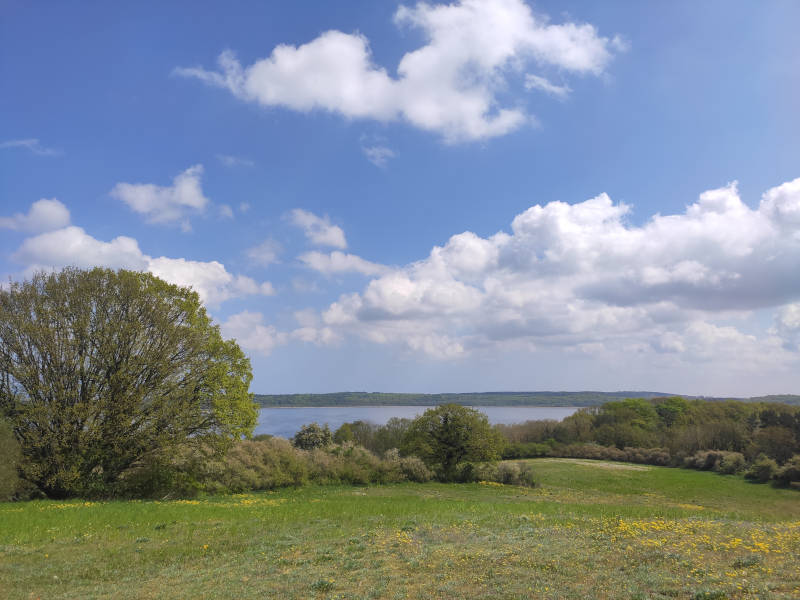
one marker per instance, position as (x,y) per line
(590,530)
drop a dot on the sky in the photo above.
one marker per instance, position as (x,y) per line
(485,195)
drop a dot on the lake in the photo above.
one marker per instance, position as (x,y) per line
(285,422)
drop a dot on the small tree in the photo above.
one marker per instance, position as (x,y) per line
(450,435)
(101,368)
(312,436)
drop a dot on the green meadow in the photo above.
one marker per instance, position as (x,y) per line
(588,530)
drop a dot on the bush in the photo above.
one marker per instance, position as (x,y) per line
(789,474)
(525,450)
(762,470)
(411,467)
(507,473)
(414,469)
(312,436)
(732,463)
(10,456)
(159,476)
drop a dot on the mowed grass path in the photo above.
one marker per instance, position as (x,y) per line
(591,530)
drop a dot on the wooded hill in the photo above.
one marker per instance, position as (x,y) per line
(481,399)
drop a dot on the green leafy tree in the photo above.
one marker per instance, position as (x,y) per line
(450,435)
(100,369)
(312,436)
(9,460)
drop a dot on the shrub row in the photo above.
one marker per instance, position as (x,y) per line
(267,464)
(646,456)
(763,469)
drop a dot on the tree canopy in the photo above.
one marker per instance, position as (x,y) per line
(449,435)
(101,368)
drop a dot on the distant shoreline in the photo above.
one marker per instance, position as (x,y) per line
(510,399)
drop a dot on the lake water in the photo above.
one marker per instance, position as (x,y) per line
(285,422)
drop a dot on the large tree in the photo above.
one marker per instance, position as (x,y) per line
(100,368)
(449,435)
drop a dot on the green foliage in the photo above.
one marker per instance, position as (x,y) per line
(375,438)
(732,463)
(507,473)
(762,470)
(312,436)
(775,441)
(789,474)
(100,369)
(9,461)
(269,464)
(449,436)
(671,410)
(469,399)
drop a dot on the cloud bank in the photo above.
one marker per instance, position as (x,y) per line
(581,278)
(475,51)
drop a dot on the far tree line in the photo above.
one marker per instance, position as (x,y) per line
(669,431)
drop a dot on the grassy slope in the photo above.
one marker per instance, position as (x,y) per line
(590,531)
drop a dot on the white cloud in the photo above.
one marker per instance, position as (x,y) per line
(251,333)
(43,215)
(210,280)
(318,230)
(787,326)
(536,82)
(234,161)
(340,262)
(72,246)
(32,145)
(581,276)
(474,50)
(166,204)
(225,211)
(244,207)
(378,155)
(265,253)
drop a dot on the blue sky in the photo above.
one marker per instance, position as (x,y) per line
(485,195)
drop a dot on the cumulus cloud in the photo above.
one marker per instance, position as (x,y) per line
(340,262)
(251,333)
(265,253)
(474,50)
(32,145)
(43,215)
(580,276)
(318,230)
(172,204)
(72,246)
